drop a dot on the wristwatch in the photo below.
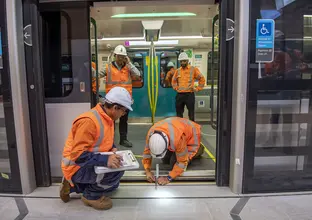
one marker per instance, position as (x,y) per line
(169,178)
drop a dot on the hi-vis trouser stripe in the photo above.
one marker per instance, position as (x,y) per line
(189,82)
(111,82)
(68,162)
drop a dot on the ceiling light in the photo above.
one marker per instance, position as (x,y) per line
(147,48)
(184,37)
(122,38)
(307,16)
(161,42)
(151,15)
(161,38)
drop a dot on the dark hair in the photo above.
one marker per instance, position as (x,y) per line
(111,105)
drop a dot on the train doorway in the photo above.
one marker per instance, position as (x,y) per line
(154,97)
(75,42)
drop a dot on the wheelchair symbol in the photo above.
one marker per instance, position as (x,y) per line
(264,30)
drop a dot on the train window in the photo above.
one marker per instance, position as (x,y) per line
(168,65)
(57,53)
(137,60)
(213,68)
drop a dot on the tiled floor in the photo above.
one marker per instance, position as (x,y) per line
(216,207)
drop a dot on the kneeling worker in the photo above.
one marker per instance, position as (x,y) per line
(92,133)
(176,141)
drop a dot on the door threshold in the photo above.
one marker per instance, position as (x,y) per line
(191,175)
(139,175)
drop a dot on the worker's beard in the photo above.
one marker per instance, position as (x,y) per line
(121,63)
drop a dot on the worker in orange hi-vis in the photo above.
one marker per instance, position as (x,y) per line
(169,74)
(176,141)
(120,73)
(183,82)
(91,134)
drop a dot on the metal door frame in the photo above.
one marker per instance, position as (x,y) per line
(224,132)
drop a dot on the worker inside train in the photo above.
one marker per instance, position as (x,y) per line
(177,142)
(170,73)
(183,81)
(137,82)
(94,79)
(121,72)
(92,133)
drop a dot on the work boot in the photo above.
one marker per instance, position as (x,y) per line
(125,143)
(65,190)
(103,203)
(200,152)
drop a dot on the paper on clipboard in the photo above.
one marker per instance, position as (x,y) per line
(129,162)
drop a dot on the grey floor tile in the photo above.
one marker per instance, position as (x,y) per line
(8,209)
(49,208)
(172,208)
(219,209)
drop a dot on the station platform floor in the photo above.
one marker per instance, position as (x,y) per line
(173,202)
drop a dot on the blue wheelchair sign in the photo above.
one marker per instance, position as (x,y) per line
(265,40)
(265,29)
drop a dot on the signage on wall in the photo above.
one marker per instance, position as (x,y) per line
(27,35)
(1,60)
(265,40)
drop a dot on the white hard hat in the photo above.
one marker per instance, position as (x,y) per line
(170,64)
(119,96)
(136,64)
(158,144)
(183,56)
(120,50)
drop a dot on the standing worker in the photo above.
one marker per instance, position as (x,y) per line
(92,133)
(120,73)
(174,140)
(183,82)
(170,73)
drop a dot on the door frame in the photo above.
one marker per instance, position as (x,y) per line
(37,111)
(225,88)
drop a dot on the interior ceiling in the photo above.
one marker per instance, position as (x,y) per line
(199,25)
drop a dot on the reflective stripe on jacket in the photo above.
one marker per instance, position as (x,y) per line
(101,141)
(116,77)
(183,79)
(184,140)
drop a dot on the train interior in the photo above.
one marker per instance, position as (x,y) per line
(190,28)
(179,28)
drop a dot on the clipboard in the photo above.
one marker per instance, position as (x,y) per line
(129,162)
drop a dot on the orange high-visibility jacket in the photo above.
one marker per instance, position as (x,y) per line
(92,131)
(183,79)
(116,77)
(94,79)
(169,76)
(184,140)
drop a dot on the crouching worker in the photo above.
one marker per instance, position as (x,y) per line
(92,133)
(176,141)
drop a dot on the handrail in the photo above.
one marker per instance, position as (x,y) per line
(148,82)
(96,60)
(157,82)
(153,83)
(213,124)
